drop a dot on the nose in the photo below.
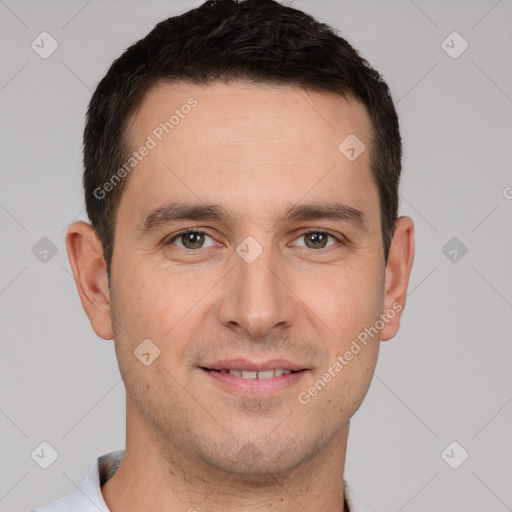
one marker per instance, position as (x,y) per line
(256,297)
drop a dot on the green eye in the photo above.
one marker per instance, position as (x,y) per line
(193,239)
(190,239)
(317,239)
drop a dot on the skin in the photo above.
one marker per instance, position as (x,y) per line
(255,150)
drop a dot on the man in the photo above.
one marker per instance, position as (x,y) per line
(241,177)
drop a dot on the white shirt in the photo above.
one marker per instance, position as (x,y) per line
(87,496)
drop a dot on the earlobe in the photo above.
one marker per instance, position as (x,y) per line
(398,271)
(85,253)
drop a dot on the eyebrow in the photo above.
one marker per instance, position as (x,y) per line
(176,211)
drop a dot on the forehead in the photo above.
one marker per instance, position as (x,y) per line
(242,139)
(248,106)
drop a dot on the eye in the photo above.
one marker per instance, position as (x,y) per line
(317,239)
(191,239)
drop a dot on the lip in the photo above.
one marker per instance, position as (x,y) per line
(244,364)
(255,388)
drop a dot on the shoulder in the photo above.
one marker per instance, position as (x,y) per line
(55,506)
(87,496)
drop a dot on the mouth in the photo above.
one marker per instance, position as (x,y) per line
(255,380)
(250,374)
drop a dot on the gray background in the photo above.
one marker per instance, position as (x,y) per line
(445,377)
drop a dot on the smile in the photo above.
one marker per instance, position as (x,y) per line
(255,383)
(263,374)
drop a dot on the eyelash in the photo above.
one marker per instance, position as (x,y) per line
(302,233)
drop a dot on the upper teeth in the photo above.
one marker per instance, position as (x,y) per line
(264,374)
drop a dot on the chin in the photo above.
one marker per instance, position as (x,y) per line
(262,461)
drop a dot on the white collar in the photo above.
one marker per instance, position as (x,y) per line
(87,496)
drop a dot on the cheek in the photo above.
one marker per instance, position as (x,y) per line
(348,297)
(350,304)
(161,305)
(146,308)
(155,300)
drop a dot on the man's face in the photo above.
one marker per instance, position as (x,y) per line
(257,154)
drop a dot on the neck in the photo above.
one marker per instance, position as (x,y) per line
(158,474)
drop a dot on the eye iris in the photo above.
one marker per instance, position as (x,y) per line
(193,240)
(315,240)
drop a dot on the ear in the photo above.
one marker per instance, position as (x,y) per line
(398,270)
(85,253)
